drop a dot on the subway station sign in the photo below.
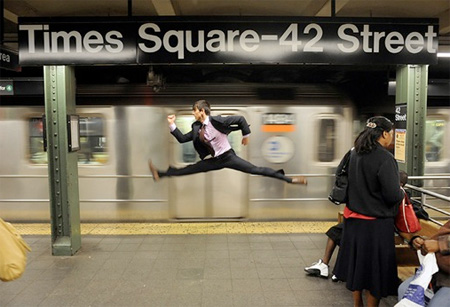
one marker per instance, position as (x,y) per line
(9,59)
(6,87)
(227,40)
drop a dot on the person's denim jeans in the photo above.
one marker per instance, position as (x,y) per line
(440,298)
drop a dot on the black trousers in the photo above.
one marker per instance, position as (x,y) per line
(228,159)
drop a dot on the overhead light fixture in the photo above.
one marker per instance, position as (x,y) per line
(443,54)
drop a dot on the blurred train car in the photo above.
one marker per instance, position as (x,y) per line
(437,153)
(305,133)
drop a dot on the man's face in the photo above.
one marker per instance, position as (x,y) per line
(198,114)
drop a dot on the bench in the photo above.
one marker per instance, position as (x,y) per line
(407,260)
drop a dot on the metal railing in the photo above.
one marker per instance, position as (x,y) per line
(424,192)
(294,199)
(96,200)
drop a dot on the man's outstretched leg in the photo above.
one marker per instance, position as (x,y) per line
(231,160)
(199,167)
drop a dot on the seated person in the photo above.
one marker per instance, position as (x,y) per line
(439,244)
(320,268)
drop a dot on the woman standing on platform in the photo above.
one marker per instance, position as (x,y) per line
(366,259)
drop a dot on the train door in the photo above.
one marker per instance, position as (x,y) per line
(213,195)
(437,155)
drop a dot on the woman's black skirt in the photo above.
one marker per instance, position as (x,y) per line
(366,259)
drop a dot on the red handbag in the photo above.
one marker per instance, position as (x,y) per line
(406,219)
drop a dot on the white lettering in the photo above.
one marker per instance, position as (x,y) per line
(66,40)
(291,31)
(394,42)
(155,39)
(309,46)
(400,118)
(47,48)
(216,44)
(414,38)
(376,41)
(231,35)
(352,38)
(93,38)
(355,42)
(394,38)
(46,34)
(5,57)
(179,42)
(111,38)
(31,39)
(429,35)
(366,34)
(249,37)
(201,42)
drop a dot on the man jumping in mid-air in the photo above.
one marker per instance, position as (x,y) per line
(209,135)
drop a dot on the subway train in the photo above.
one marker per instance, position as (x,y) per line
(307,133)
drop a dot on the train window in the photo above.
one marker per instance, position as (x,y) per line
(37,153)
(92,141)
(434,140)
(327,140)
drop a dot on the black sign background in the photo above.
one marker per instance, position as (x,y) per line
(6,87)
(9,59)
(400,116)
(227,40)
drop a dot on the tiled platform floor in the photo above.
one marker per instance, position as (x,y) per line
(225,269)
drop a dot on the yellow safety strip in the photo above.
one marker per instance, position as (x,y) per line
(183,228)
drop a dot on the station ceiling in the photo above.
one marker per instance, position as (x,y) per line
(302,8)
(307,8)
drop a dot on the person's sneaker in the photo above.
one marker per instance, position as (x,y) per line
(318,269)
(334,278)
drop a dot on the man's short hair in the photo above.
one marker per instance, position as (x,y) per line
(202,105)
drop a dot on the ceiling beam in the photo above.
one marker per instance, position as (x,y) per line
(10,16)
(164,7)
(313,7)
(444,22)
(325,11)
